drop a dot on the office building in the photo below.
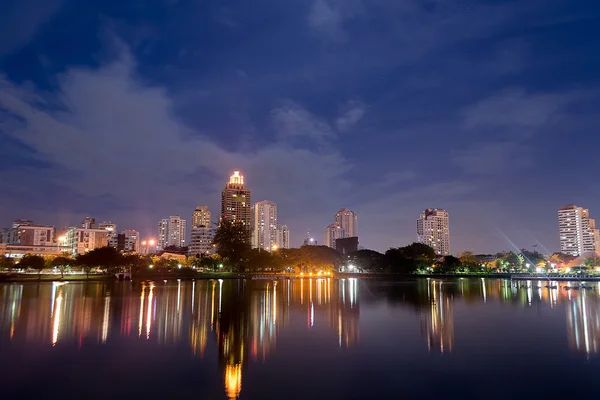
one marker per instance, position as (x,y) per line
(283,237)
(433,229)
(111,228)
(264,232)
(201,217)
(577,231)
(171,232)
(236,201)
(29,235)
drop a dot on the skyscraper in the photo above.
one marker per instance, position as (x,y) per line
(171,232)
(283,237)
(332,233)
(264,232)
(346,219)
(201,238)
(345,225)
(236,200)
(201,217)
(433,229)
(578,233)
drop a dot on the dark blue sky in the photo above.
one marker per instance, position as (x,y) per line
(131,111)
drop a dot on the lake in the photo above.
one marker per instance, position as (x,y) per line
(299,339)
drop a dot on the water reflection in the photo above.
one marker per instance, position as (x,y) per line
(242,319)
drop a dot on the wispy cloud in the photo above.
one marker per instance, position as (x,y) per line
(351,113)
(20,21)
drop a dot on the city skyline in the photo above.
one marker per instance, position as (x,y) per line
(453,105)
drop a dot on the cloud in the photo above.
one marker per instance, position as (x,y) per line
(108,134)
(516,108)
(21,20)
(352,112)
(492,157)
(293,121)
(327,17)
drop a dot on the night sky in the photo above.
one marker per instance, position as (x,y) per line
(132,111)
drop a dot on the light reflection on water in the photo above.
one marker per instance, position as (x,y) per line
(243,319)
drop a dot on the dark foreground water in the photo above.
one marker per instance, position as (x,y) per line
(299,339)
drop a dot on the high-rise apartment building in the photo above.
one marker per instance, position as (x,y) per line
(131,241)
(201,238)
(171,232)
(433,229)
(283,237)
(578,232)
(201,217)
(89,223)
(236,200)
(264,232)
(332,233)
(346,219)
(112,232)
(345,225)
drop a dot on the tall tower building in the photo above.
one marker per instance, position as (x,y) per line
(171,232)
(201,217)
(433,229)
(236,201)
(264,232)
(332,233)
(578,232)
(283,237)
(348,222)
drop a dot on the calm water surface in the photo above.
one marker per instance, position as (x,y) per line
(299,339)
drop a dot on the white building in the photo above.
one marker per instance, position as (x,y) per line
(347,220)
(433,229)
(283,237)
(132,241)
(201,239)
(82,240)
(578,233)
(264,232)
(112,231)
(30,235)
(171,232)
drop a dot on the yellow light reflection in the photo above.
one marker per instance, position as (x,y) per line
(106,318)
(57,315)
(233,380)
(149,311)
(141,321)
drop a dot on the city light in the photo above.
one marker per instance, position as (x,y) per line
(150,266)
(179,266)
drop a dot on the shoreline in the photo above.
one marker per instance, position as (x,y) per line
(12,278)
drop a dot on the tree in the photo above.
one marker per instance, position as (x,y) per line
(560,259)
(532,257)
(232,240)
(105,257)
(592,261)
(368,260)
(62,263)
(469,260)
(6,263)
(34,262)
(409,258)
(450,264)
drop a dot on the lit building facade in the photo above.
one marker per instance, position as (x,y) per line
(171,232)
(577,231)
(131,241)
(236,200)
(264,232)
(29,235)
(283,237)
(433,229)
(201,217)
(82,240)
(347,220)
(201,238)
(332,233)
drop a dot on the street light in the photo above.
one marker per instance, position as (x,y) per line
(179,266)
